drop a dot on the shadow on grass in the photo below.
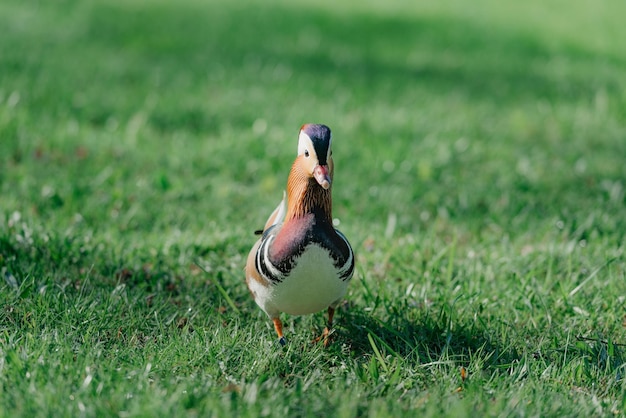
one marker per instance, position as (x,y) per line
(418,337)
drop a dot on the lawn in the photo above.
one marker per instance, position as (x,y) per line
(480,154)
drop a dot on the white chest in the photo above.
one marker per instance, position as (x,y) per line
(312,285)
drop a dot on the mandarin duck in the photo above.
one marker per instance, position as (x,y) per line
(302,264)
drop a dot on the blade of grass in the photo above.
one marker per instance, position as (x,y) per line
(221,289)
(377,353)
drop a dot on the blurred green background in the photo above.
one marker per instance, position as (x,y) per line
(493,112)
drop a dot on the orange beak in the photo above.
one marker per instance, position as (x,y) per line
(320,173)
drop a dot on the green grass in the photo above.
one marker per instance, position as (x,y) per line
(480,176)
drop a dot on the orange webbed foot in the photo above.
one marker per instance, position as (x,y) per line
(325,337)
(278,326)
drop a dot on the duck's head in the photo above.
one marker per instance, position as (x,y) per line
(315,153)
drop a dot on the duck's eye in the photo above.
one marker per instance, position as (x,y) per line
(306,153)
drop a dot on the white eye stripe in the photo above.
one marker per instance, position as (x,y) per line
(307,148)
(304,143)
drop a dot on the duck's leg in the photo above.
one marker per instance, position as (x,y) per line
(278,326)
(329,325)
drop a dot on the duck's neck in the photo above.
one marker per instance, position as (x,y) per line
(305,196)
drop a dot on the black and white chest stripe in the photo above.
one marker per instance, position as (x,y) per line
(275,272)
